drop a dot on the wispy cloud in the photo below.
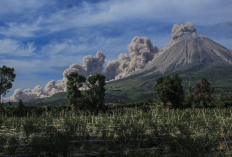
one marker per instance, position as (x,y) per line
(21,29)
(16,48)
(89,15)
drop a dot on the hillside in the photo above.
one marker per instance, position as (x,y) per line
(136,88)
(141,86)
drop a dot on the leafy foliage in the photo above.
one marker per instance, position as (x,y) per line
(7,76)
(170,90)
(96,92)
(189,96)
(21,109)
(203,92)
(75,81)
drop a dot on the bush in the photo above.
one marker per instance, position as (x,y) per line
(57,144)
(12,145)
(29,127)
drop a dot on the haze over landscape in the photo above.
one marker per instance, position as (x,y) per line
(42,39)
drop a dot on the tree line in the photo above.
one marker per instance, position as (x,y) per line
(88,93)
(169,91)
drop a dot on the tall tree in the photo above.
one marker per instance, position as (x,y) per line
(203,92)
(189,96)
(169,89)
(7,76)
(21,108)
(75,82)
(96,92)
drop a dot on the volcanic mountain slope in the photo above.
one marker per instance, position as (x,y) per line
(189,50)
(191,53)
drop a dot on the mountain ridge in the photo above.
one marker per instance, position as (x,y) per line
(189,53)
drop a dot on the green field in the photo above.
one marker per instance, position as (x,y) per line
(120,132)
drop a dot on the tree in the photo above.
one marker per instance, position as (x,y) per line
(189,96)
(203,92)
(96,92)
(7,76)
(169,89)
(75,82)
(21,108)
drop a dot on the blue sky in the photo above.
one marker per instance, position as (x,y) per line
(41,38)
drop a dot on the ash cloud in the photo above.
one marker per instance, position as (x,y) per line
(90,66)
(141,51)
(180,32)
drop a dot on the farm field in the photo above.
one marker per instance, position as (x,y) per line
(121,132)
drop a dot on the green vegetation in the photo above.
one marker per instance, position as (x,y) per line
(170,90)
(196,122)
(92,98)
(142,87)
(96,93)
(120,132)
(7,76)
(75,82)
(203,92)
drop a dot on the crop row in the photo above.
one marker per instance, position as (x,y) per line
(196,132)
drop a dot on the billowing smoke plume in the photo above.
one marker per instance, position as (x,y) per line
(180,32)
(90,66)
(28,94)
(141,51)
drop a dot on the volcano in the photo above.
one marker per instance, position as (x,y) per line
(190,51)
(189,54)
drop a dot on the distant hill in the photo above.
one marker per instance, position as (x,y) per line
(55,99)
(136,88)
(141,87)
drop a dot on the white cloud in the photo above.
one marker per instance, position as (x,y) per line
(68,46)
(21,29)
(16,48)
(202,12)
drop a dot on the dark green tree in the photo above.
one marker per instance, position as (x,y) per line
(21,108)
(189,96)
(75,82)
(203,92)
(7,76)
(96,92)
(169,89)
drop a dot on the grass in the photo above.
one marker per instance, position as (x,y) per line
(127,132)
